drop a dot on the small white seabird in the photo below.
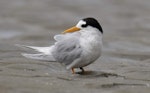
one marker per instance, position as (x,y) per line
(76,47)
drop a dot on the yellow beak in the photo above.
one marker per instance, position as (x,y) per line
(73,29)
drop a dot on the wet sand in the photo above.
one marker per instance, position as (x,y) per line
(125,63)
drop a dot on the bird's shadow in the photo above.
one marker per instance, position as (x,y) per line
(89,75)
(95,74)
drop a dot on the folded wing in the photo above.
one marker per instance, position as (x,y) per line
(67,50)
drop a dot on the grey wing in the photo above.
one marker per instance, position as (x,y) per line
(68,50)
(61,37)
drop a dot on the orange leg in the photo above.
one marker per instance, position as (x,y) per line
(72,69)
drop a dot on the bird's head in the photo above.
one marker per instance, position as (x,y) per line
(85,24)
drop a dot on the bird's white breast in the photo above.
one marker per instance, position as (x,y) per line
(91,43)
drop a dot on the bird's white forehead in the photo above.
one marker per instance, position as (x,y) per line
(81,22)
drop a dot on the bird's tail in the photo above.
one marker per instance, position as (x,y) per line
(45,53)
(40,56)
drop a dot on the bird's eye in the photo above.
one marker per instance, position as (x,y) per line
(84,25)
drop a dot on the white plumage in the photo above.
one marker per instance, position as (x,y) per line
(76,47)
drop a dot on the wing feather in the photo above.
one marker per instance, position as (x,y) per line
(68,50)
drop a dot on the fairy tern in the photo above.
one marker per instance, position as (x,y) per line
(76,47)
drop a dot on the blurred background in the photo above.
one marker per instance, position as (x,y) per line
(126,51)
(30,21)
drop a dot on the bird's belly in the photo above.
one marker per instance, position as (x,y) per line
(88,59)
(89,55)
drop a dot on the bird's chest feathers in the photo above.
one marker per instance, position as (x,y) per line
(91,43)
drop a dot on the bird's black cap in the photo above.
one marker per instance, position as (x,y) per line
(92,22)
